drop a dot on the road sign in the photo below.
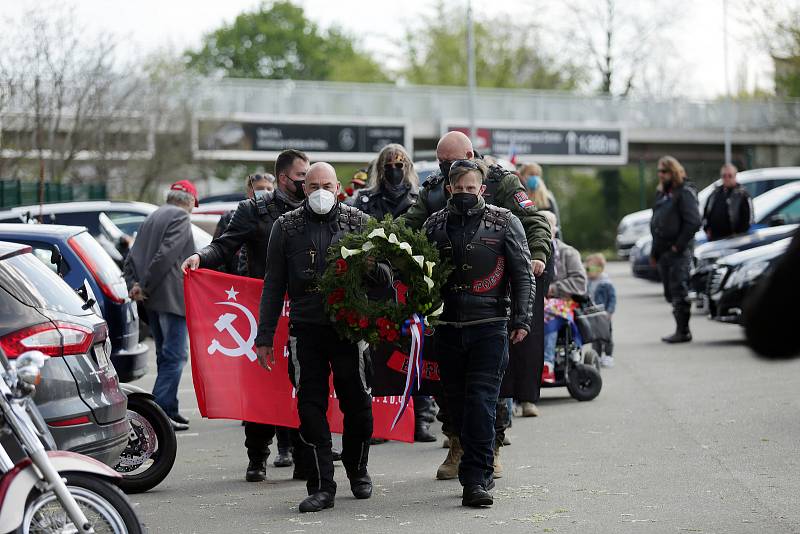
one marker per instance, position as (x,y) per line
(557,143)
(253,138)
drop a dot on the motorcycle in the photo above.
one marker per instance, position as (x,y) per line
(152,445)
(48,490)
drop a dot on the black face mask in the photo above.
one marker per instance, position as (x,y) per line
(464,201)
(444,166)
(394,176)
(299,192)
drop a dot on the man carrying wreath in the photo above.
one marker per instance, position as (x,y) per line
(491,286)
(296,258)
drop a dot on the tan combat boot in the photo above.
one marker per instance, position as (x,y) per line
(498,467)
(449,468)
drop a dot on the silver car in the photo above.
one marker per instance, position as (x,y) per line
(79,396)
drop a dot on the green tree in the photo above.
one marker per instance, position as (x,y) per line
(507,54)
(278,41)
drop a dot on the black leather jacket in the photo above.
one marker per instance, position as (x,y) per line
(503,189)
(487,247)
(676,218)
(250,225)
(296,258)
(378,203)
(739,209)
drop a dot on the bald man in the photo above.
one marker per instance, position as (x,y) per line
(503,189)
(296,257)
(729,209)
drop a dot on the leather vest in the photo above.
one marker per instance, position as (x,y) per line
(268,211)
(307,240)
(437,194)
(479,265)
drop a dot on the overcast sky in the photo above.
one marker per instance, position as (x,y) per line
(145,25)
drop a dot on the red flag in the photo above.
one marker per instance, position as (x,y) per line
(222,315)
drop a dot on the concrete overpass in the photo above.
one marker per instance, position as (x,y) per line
(764,133)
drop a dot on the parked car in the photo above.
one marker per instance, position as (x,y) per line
(639,258)
(79,396)
(777,207)
(235,196)
(127,216)
(707,254)
(74,254)
(756,182)
(736,275)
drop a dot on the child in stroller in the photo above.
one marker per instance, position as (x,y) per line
(572,366)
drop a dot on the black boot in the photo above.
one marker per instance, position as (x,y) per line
(475,496)
(361,485)
(422,433)
(256,471)
(283,459)
(316,502)
(682,333)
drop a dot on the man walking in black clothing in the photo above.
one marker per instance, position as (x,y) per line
(296,257)
(250,227)
(729,209)
(487,246)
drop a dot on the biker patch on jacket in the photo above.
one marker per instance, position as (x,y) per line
(493,280)
(522,199)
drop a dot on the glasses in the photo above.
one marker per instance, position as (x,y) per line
(258,177)
(397,165)
(726,176)
(663,171)
(464,163)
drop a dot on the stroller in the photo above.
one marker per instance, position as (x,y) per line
(576,368)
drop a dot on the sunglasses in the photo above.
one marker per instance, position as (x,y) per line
(726,176)
(464,163)
(397,165)
(258,177)
(663,171)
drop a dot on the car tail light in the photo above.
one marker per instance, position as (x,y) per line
(112,287)
(59,339)
(82,420)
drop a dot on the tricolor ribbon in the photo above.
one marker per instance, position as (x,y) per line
(415,326)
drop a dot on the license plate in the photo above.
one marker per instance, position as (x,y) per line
(100,356)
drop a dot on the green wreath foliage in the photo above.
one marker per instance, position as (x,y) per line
(348,277)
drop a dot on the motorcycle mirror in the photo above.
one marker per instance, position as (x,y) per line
(29,366)
(34,358)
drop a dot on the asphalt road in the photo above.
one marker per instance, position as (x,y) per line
(701,437)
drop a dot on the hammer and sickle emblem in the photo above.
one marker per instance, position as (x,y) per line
(225,324)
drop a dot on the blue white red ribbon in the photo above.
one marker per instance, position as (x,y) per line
(415,327)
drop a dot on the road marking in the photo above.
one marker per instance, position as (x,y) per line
(184,435)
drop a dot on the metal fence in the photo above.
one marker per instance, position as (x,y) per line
(18,193)
(423,103)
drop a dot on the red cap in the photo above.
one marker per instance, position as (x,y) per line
(187,187)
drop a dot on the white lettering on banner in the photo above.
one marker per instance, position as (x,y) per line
(224,323)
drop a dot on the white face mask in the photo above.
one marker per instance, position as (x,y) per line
(321,201)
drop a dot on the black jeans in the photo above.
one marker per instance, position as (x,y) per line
(314,352)
(258,437)
(674,268)
(472,361)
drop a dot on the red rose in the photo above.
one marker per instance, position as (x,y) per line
(341,267)
(363,322)
(392,335)
(340,314)
(349,191)
(352,318)
(337,295)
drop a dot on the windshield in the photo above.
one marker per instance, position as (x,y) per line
(33,283)
(765,204)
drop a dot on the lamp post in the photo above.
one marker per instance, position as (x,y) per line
(471,73)
(728,101)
